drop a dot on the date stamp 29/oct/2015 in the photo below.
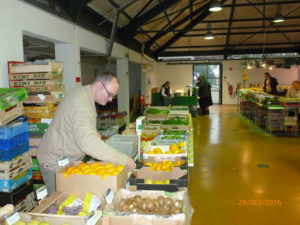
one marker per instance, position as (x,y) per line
(259,202)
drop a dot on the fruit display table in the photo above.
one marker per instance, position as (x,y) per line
(276,115)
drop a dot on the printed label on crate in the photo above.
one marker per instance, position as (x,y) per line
(92,219)
(22,76)
(25,83)
(12,218)
(64,161)
(41,193)
(109,195)
(43,88)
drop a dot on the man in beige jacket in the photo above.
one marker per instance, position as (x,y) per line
(73,132)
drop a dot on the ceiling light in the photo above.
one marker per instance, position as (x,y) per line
(215,6)
(208,36)
(278,18)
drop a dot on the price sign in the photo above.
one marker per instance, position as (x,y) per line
(41,193)
(41,97)
(92,220)
(64,161)
(109,196)
(12,218)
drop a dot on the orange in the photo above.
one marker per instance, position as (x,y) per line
(79,166)
(110,170)
(108,165)
(115,173)
(119,168)
(84,167)
(101,171)
(95,164)
(70,169)
(66,175)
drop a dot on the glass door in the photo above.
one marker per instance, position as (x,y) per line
(213,74)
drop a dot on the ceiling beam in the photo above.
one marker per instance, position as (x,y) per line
(247,19)
(230,52)
(162,32)
(74,7)
(229,29)
(131,28)
(174,12)
(203,15)
(246,33)
(261,3)
(142,9)
(221,28)
(232,45)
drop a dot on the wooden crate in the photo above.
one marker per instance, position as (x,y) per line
(45,66)
(34,76)
(29,83)
(48,88)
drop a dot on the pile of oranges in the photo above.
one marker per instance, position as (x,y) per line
(95,168)
(173,149)
(164,165)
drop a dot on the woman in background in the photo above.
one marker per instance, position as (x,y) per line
(204,95)
(166,93)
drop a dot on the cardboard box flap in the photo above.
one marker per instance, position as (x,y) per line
(146,173)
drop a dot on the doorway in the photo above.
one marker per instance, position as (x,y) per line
(213,74)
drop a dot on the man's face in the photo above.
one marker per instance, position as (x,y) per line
(266,76)
(106,91)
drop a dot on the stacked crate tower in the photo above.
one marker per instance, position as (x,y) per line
(44,83)
(16,186)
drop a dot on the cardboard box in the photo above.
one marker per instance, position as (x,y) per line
(10,114)
(58,198)
(93,184)
(164,148)
(34,141)
(111,217)
(178,178)
(35,99)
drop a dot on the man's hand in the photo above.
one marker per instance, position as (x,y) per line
(131,164)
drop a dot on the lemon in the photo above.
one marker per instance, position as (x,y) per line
(105,175)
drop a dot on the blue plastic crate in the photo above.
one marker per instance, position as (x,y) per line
(14,128)
(6,144)
(6,155)
(10,185)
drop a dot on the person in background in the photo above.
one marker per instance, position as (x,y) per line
(204,95)
(72,132)
(270,84)
(165,93)
(294,90)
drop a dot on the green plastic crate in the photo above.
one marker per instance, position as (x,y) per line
(11,96)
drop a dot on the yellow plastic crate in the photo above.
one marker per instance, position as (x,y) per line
(47,111)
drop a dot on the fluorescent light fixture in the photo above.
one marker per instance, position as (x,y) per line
(208,36)
(278,18)
(215,6)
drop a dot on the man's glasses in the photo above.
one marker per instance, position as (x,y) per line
(109,94)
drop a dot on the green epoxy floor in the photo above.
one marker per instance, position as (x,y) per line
(227,187)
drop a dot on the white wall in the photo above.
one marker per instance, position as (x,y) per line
(178,75)
(18,18)
(181,75)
